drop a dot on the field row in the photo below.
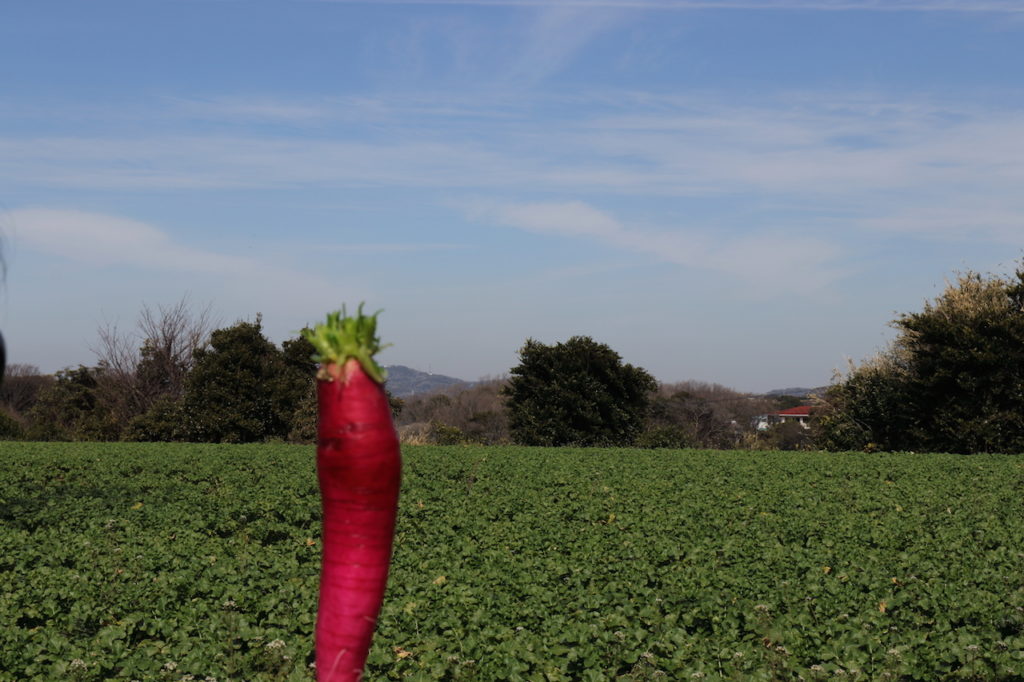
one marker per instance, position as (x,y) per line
(197,562)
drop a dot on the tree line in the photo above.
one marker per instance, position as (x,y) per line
(951,381)
(184,382)
(176,378)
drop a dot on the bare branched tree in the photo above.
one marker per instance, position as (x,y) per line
(20,387)
(478,411)
(152,362)
(172,335)
(709,414)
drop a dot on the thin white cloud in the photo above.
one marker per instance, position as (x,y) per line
(103,240)
(575,219)
(958,223)
(792,264)
(391,248)
(189,162)
(557,34)
(805,5)
(886,163)
(215,162)
(712,149)
(250,109)
(351,109)
(838,149)
(289,298)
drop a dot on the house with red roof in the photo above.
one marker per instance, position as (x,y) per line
(800,414)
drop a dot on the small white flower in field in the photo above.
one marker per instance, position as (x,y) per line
(229,604)
(78,664)
(973,648)
(520,628)
(312,666)
(697,676)
(187,678)
(763,608)
(893,652)
(647,656)
(738,654)
(817,668)
(276,644)
(839,673)
(170,666)
(620,634)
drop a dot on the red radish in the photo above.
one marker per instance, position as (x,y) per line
(359,467)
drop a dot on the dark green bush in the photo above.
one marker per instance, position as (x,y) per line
(663,437)
(10,428)
(578,392)
(950,382)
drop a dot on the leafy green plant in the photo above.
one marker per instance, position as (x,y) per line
(515,562)
(663,437)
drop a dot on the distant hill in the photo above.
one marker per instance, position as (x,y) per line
(405,381)
(797,392)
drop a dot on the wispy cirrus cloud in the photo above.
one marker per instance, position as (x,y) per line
(239,108)
(967,221)
(819,5)
(888,164)
(557,34)
(655,146)
(391,248)
(790,263)
(846,146)
(224,162)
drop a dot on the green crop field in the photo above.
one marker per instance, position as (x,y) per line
(199,562)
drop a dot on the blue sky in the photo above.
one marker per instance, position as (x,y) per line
(740,192)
